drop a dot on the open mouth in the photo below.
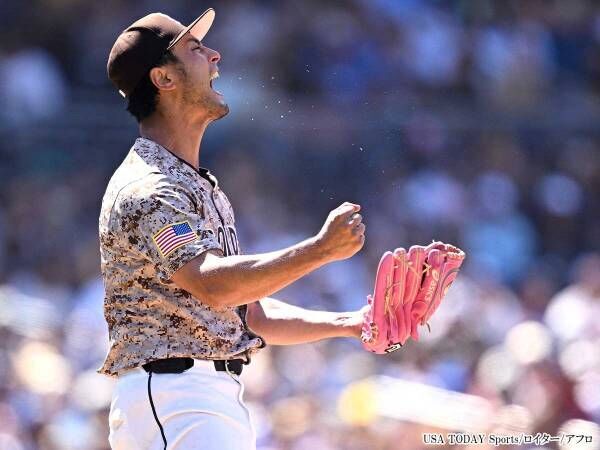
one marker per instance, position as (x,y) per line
(213,77)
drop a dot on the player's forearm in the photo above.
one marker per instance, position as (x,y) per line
(241,279)
(280,323)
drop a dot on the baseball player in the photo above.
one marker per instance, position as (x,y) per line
(185,309)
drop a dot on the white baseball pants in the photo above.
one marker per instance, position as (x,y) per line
(199,409)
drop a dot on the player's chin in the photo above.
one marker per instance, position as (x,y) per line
(221,109)
(215,105)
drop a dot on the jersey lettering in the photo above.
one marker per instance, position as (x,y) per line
(235,246)
(228,241)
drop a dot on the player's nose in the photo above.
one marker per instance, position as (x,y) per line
(214,56)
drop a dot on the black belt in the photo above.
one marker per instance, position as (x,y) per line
(179,365)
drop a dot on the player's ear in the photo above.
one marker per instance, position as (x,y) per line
(162,78)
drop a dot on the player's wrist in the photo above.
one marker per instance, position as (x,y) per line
(350,324)
(320,249)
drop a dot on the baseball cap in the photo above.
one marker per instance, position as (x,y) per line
(140,46)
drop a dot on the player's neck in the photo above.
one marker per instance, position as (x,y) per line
(177,135)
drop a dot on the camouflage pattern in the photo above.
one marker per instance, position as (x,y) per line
(148,316)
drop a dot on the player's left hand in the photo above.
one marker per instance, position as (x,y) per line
(409,287)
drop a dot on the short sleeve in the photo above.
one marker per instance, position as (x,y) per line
(166,223)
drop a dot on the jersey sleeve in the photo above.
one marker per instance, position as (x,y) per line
(166,223)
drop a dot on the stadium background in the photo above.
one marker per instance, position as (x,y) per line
(474,122)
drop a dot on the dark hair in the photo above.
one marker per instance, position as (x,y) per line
(144,97)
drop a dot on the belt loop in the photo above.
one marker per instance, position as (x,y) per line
(227,367)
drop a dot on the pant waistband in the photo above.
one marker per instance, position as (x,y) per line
(179,365)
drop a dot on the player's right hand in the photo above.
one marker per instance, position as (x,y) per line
(343,233)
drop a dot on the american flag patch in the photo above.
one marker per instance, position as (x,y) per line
(173,236)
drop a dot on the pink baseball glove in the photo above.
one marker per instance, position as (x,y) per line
(409,288)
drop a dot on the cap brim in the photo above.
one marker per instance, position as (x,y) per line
(198,28)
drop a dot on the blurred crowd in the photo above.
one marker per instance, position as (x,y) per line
(472,122)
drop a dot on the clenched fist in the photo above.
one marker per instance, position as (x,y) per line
(343,233)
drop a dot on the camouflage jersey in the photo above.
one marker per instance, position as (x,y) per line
(158,213)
